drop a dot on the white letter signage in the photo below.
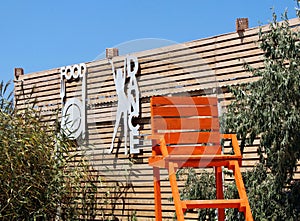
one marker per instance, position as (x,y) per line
(73,110)
(128,104)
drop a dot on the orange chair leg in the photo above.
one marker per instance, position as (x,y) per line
(175,193)
(219,191)
(241,189)
(157,194)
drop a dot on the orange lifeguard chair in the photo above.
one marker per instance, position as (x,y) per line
(185,133)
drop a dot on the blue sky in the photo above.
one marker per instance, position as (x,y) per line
(39,35)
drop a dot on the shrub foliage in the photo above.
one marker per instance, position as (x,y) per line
(42,176)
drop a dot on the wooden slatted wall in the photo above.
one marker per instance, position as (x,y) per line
(201,67)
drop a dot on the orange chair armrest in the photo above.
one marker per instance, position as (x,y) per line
(154,137)
(162,143)
(235,143)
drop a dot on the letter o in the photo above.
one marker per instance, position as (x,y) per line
(68,72)
(76,71)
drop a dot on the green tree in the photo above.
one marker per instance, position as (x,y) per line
(270,107)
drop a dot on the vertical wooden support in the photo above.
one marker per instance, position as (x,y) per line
(18,72)
(219,190)
(241,24)
(175,192)
(112,52)
(157,194)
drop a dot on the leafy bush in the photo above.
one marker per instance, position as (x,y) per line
(267,200)
(42,176)
(198,187)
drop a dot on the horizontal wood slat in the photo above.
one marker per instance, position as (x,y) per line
(193,150)
(191,137)
(193,101)
(185,123)
(182,111)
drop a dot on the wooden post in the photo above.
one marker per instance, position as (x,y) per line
(157,194)
(112,52)
(18,72)
(241,24)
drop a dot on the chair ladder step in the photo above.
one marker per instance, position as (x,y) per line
(220,203)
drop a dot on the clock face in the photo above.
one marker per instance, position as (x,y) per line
(72,123)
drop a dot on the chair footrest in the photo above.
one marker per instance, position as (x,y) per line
(222,203)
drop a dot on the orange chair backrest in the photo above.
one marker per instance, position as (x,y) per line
(190,125)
